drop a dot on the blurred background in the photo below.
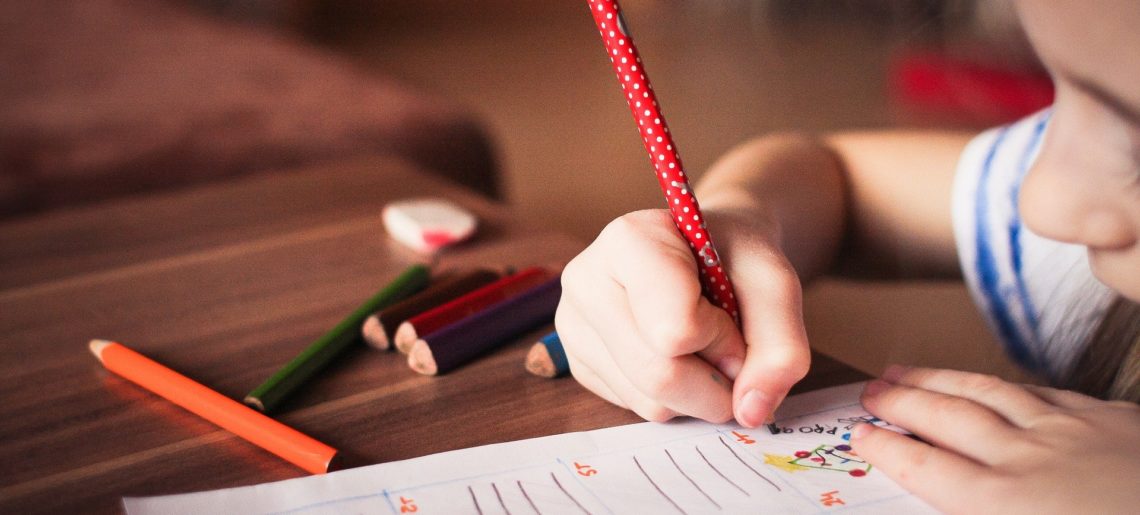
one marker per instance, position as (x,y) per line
(104,99)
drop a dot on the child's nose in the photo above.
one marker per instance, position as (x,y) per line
(1062,199)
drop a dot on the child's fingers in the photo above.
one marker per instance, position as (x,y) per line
(1063,398)
(593,367)
(591,381)
(1009,400)
(657,271)
(656,387)
(671,377)
(947,421)
(685,384)
(941,478)
(575,335)
(622,393)
(659,274)
(725,349)
(777,354)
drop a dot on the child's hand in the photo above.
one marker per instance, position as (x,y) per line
(1000,447)
(638,332)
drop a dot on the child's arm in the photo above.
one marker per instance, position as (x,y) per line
(633,321)
(860,204)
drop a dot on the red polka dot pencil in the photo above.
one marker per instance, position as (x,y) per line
(662,151)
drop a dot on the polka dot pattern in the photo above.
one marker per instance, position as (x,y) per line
(662,152)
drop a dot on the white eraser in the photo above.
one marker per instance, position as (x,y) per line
(428,224)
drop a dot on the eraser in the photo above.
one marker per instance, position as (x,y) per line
(428,224)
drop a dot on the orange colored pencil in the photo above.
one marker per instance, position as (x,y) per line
(227,413)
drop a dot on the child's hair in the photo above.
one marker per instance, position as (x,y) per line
(1109,367)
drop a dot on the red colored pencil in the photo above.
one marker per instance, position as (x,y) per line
(446,314)
(662,152)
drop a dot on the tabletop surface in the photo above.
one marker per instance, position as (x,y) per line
(225,283)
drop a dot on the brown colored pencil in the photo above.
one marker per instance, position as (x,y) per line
(448,313)
(380,327)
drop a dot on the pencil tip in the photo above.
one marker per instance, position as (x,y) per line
(420,359)
(96,346)
(373,333)
(405,337)
(538,361)
(254,403)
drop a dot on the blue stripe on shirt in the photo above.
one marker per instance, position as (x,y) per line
(987,266)
(1027,307)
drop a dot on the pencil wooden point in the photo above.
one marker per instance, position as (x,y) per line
(421,360)
(374,333)
(254,403)
(538,361)
(96,346)
(405,337)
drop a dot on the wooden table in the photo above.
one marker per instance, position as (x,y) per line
(225,283)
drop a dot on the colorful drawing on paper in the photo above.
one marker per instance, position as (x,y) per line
(839,458)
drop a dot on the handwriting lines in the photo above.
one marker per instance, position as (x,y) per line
(505,498)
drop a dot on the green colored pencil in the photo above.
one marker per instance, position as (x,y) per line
(276,389)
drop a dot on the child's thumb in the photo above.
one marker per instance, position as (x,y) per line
(777,355)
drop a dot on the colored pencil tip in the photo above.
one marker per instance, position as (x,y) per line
(420,359)
(405,337)
(538,361)
(254,403)
(373,333)
(97,347)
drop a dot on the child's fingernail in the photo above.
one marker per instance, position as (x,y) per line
(753,409)
(860,430)
(875,387)
(894,372)
(731,366)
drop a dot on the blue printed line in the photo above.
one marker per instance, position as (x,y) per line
(339,500)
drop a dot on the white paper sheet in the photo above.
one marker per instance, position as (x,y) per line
(684,467)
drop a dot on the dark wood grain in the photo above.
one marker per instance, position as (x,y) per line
(224,284)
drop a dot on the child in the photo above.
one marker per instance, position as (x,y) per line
(1043,218)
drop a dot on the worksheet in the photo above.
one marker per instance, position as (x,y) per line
(683,467)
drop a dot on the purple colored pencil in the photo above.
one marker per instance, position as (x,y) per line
(455,345)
